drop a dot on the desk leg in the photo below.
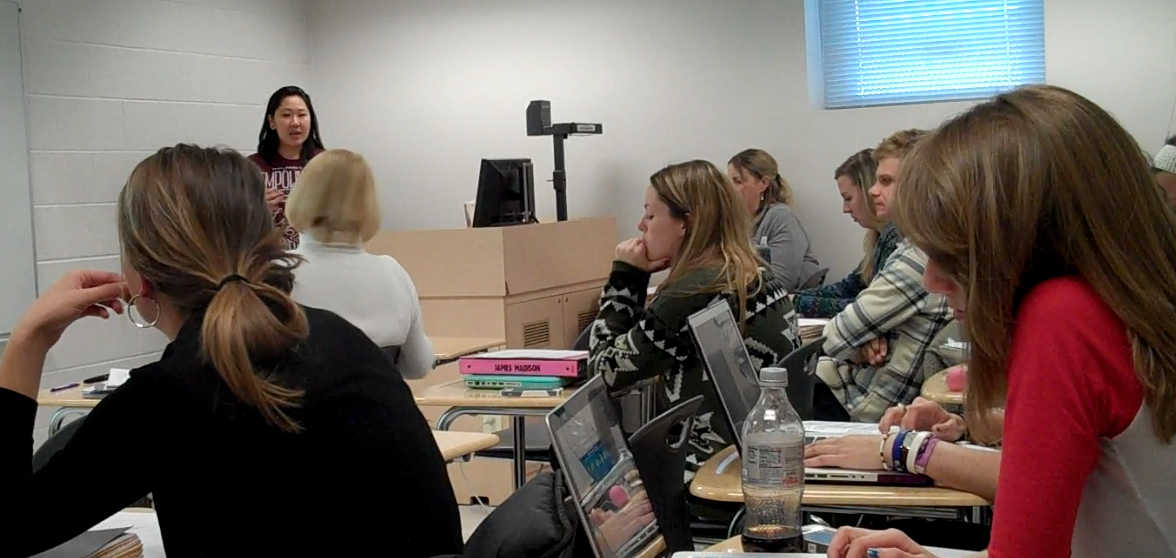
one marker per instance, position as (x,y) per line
(519,425)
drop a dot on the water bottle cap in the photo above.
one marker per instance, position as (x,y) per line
(773,377)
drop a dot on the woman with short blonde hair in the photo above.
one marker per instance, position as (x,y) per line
(335,209)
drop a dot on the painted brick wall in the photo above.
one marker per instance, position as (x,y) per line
(107,82)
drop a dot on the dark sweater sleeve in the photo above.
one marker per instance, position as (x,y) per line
(104,468)
(829,300)
(629,345)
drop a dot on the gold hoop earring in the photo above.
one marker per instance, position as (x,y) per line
(131,314)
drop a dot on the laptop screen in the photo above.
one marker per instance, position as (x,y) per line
(727,362)
(599,468)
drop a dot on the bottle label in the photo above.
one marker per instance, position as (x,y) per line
(780,465)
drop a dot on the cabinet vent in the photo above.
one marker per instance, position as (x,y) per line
(584,319)
(537,334)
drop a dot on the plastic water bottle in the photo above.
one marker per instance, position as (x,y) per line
(773,469)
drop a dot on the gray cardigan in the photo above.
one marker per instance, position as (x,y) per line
(792,260)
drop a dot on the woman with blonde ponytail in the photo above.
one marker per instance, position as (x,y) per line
(255,399)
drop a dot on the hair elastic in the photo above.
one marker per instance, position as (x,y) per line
(229,279)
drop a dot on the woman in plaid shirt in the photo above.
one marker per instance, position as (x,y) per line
(879,341)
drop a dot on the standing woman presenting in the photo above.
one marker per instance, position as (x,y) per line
(288,140)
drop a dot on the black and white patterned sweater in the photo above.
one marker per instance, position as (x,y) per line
(631,343)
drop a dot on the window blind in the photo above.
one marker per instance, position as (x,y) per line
(885,52)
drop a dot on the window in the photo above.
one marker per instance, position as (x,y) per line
(887,52)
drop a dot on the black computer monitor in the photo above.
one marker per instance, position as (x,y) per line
(506,193)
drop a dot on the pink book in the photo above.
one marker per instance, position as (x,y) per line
(526,362)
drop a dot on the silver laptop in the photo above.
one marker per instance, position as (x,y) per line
(729,367)
(598,466)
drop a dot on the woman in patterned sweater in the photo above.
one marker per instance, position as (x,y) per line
(696,226)
(854,177)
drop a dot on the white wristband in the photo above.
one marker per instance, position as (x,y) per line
(912,452)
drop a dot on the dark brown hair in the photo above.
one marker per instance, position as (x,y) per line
(190,217)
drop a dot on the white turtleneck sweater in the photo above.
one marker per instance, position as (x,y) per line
(375,293)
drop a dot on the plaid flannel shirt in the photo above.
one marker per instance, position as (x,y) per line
(896,307)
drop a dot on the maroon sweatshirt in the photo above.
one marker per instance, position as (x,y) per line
(280,174)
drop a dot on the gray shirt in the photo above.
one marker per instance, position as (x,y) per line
(792,260)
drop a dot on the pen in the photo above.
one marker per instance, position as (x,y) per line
(64,387)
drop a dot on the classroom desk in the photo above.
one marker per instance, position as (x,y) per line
(464,401)
(725,485)
(68,402)
(455,445)
(449,349)
(734,544)
(935,389)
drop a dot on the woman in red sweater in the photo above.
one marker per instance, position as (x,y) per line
(1047,234)
(288,140)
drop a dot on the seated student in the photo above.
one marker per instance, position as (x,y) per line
(265,429)
(695,225)
(853,177)
(775,226)
(1164,168)
(335,209)
(880,339)
(1036,210)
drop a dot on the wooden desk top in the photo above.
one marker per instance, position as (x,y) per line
(456,394)
(450,348)
(935,389)
(728,487)
(734,544)
(71,397)
(460,444)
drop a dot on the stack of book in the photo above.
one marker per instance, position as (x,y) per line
(98,543)
(524,369)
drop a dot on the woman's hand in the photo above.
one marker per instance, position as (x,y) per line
(633,252)
(924,415)
(847,452)
(78,294)
(274,198)
(854,542)
(875,351)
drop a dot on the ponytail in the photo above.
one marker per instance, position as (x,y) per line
(781,191)
(250,321)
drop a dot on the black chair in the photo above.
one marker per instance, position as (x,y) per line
(801,365)
(659,451)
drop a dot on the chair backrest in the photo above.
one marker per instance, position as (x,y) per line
(659,450)
(801,365)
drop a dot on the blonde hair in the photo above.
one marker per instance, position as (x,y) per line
(898,144)
(193,222)
(716,220)
(334,199)
(759,164)
(1035,184)
(860,168)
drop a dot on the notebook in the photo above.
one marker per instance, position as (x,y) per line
(729,366)
(600,472)
(100,543)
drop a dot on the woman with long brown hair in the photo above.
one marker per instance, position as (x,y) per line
(696,226)
(266,428)
(854,177)
(1047,234)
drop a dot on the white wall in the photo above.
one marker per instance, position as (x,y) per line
(107,82)
(425,89)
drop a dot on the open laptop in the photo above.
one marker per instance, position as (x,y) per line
(599,469)
(730,369)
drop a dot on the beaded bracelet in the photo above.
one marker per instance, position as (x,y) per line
(882,452)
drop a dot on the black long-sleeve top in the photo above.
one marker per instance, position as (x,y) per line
(365,476)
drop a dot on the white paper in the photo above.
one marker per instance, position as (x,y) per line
(532,354)
(831,429)
(812,322)
(118,376)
